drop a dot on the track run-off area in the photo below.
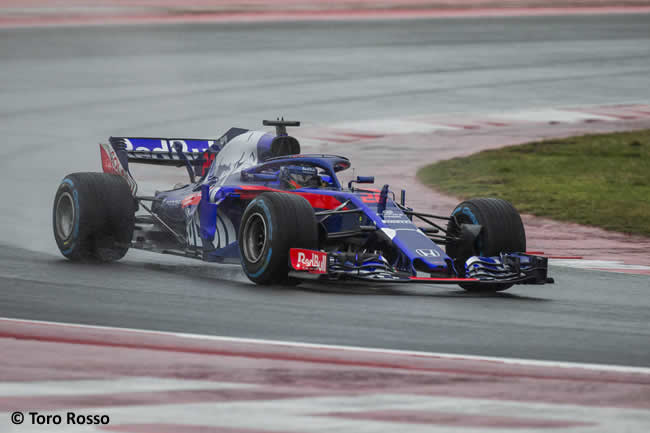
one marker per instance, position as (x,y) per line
(62,90)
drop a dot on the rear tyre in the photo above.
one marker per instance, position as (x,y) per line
(502,232)
(93,217)
(272,224)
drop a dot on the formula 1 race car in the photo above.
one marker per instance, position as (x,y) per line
(254,199)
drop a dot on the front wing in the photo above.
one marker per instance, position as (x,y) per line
(513,268)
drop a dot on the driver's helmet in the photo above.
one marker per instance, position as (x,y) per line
(299,176)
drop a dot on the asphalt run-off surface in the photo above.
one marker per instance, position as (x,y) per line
(65,89)
(154,382)
(39,13)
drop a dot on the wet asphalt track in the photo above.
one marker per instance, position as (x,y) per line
(63,90)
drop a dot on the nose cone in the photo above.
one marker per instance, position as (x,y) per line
(425,255)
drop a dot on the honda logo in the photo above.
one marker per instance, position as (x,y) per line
(428,253)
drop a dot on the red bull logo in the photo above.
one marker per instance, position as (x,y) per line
(314,262)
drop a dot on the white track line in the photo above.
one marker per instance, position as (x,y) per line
(598,265)
(391,127)
(513,361)
(551,115)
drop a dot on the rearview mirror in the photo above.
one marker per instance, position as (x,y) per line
(362,179)
(365,179)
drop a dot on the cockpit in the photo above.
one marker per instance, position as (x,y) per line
(298,171)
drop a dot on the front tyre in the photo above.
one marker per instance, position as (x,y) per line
(93,217)
(272,224)
(502,232)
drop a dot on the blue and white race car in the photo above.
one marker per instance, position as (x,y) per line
(253,198)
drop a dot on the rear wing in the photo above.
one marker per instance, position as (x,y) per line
(163,151)
(195,154)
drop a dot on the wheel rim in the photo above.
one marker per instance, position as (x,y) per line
(65,215)
(255,238)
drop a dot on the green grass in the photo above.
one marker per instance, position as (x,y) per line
(598,180)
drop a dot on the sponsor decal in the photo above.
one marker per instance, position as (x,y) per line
(166,145)
(427,253)
(314,262)
(111,164)
(208,157)
(191,200)
(368,197)
(304,169)
(394,217)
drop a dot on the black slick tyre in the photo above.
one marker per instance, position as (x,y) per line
(502,232)
(272,224)
(93,217)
